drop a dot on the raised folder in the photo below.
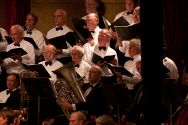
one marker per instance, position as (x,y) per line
(121,69)
(60,42)
(65,60)
(29,39)
(12,52)
(81,29)
(39,68)
(96,58)
(128,32)
(119,22)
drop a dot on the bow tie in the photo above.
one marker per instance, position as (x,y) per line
(129,13)
(100,48)
(29,32)
(92,31)
(9,91)
(59,28)
(48,63)
(16,44)
(129,58)
(77,65)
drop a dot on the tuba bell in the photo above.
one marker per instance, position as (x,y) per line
(66,88)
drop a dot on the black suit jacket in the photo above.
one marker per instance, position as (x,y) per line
(96,102)
(14,100)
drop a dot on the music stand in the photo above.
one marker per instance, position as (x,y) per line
(38,88)
(119,98)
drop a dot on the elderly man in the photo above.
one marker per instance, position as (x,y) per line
(128,12)
(96,101)
(32,32)
(81,67)
(10,97)
(50,63)
(103,49)
(97,6)
(3,41)
(60,18)
(15,63)
(77,118)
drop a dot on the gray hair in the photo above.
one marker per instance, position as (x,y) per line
(78,48)
(20,29)
(105,120)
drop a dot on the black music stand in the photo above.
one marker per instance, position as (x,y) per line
(119,98)
(37,89)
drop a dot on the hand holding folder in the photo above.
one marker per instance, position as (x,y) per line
(15,53)
(120,69)
(98,59)
(81,29)
(39,68)
(119,22)
(60,42)
(128,32)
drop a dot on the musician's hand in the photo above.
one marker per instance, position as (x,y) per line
(66,106)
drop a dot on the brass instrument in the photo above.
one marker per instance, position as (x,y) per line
(22,115)
(66,88)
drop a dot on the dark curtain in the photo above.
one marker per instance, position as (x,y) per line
(174,26)
(15,12)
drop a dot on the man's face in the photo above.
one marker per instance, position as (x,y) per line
(129,5)
(94,75)
(91,22)
(133,49)
(30,22)
(90,6)
(11,82)
(74,120)
(48,54)
(136,15)
(16,35)
(59,18)
(76,56)
(103,38)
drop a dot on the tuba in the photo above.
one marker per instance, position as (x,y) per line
(67,88)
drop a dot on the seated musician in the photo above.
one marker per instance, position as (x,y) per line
(96,101)
(11,96)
